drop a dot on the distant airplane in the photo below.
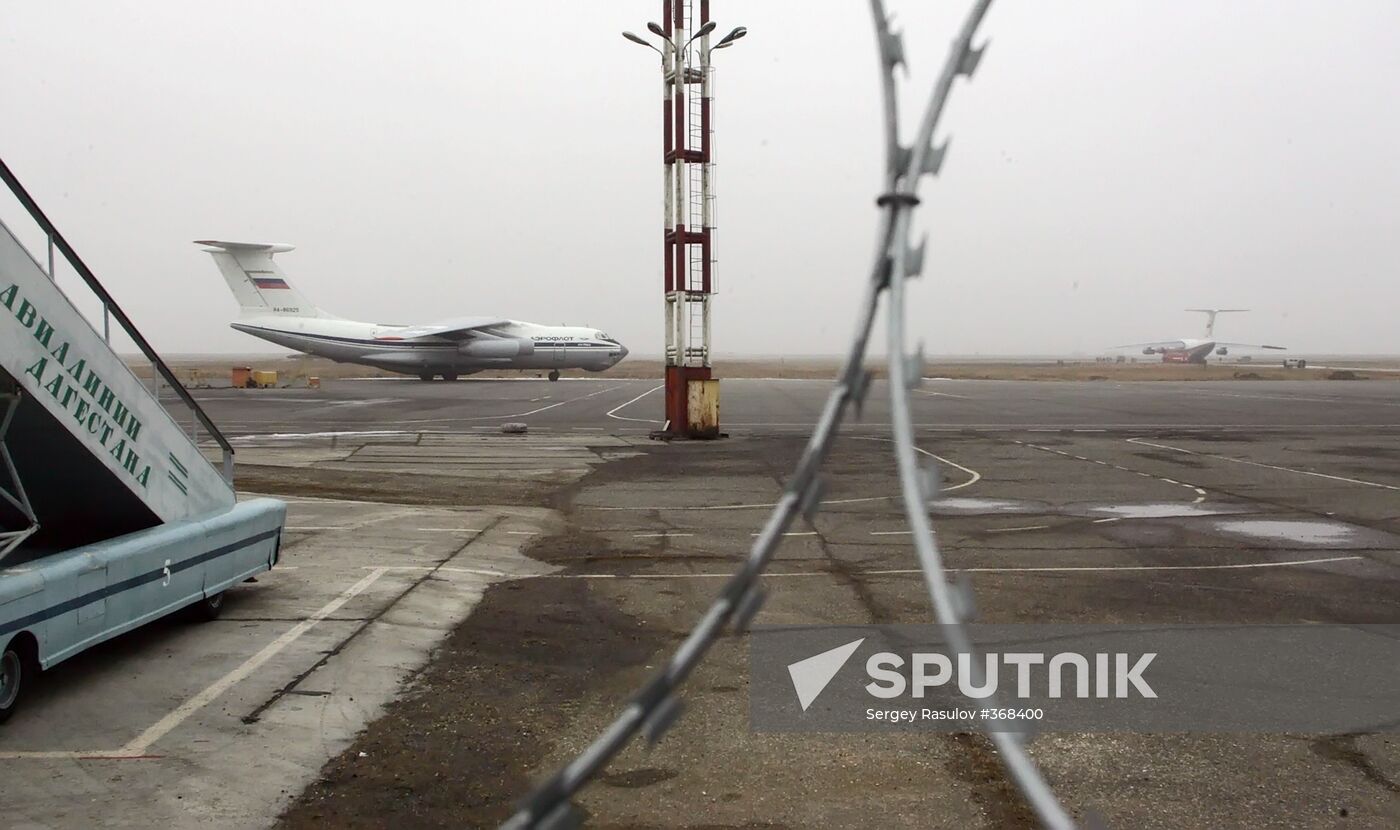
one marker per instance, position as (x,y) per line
(1195,350)
(275,311)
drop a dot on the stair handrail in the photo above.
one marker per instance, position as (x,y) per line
(110,305)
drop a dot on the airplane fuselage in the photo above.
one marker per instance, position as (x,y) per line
(510,345)
(1186,351)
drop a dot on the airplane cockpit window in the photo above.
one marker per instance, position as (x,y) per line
(601,335)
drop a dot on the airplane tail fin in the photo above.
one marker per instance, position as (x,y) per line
(256,280)
(1210,317)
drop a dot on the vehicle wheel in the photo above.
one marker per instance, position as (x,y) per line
(553,374)
(1302,364)
(449,376)
(15,674)
(425,378)
(207,609)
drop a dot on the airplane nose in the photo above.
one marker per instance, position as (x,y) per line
(622,352)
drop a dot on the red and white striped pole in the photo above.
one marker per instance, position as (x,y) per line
(688,218)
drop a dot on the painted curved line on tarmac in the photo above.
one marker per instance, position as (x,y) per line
(974,477)
(611,412)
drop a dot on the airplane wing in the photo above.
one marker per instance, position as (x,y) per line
(1159,344)
(1251,346)
(462,328)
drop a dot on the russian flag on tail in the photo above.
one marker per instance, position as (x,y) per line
(270,282)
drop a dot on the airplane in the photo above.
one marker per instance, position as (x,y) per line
(272,309)
(1196,350)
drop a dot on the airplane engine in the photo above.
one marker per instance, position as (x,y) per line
(497,348)
(1149,350)
(1222,351)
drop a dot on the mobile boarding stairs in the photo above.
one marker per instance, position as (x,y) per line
(110,514)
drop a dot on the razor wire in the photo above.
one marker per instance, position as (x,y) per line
(952,602)
(656,706)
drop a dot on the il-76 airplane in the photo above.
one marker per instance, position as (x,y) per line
(272,309)
(1193,349)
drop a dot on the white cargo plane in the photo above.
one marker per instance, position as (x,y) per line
(1194,349)
(275,311)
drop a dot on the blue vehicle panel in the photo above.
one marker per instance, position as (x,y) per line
(73,600)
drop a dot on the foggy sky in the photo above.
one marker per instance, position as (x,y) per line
(1113,163)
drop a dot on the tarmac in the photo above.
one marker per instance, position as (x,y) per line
(524,586)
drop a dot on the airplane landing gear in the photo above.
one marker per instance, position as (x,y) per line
(449,376)
(425,378)
(553,374)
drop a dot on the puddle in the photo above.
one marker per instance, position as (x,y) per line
(1315,533)
(1161,510)
(964,505)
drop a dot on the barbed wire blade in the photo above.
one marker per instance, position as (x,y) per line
(933,159)
(899,161)
(748,607)
(932,482)
(882,274)
(964,599)
(970,59)
(858,391)
(662,718)
(914,258)
(914,368)
(894,47)
(812,498)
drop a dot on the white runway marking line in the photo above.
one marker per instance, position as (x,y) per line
(1015,529)
(612,413)
(161,728)
(658,535)
(942,394)
(913,571)
(1145,443)
(738,506)
(444,569)
(287,436)
(137,746)
(448,530)
(974,477)
(1200,492)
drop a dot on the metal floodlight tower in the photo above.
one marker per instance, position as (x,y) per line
(688,259)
